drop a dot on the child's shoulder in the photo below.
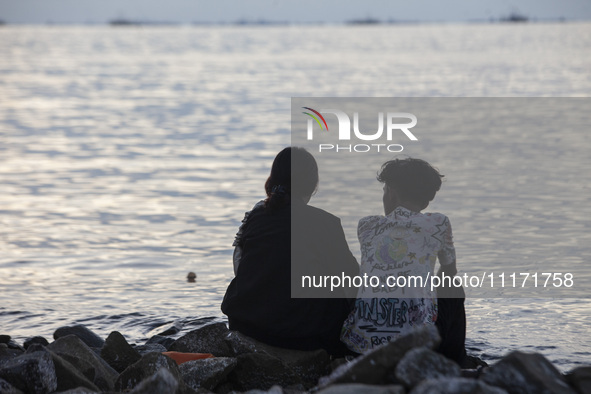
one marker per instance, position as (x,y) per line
(369,220)
(435,217)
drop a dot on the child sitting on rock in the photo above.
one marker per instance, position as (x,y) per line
(401,249)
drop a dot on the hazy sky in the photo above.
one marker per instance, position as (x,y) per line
(186,11)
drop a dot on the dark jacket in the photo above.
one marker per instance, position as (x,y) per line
(259,300)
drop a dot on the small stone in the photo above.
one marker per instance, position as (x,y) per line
(38,340)
(13,345)
(580,379)
(377,365)
(455,386)
(357,388)
(118,353)
(207,373)
(31,373)
(526,373)
(87,336)
(421,363)
(160,340)
(207,339)
(161,382)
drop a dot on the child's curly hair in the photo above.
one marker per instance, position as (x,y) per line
(413,179)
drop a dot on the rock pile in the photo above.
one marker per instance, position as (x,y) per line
(80,362)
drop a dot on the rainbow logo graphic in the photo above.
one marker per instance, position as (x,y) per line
(316,118)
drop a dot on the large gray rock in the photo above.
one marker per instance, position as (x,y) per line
(421,363)
(87,336)
(262,371)
(308,365)
(159,383)
(377,365)
(207,339)
(7,388)
(207,373)
(31,373)
(455,386)
(68,377)
(118,353)
(580,379)
(525,373)
(358,388)
(146,368)
(76,352)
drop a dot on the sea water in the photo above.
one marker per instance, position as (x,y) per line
(128,157)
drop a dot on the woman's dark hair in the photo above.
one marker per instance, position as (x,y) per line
(294,174)
(413,179)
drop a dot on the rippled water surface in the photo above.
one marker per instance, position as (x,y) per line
(129,155)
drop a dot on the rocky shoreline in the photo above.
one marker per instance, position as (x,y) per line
(80,362)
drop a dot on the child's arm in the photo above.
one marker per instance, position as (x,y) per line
(447,254)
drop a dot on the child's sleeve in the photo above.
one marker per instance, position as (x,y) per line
(447,254)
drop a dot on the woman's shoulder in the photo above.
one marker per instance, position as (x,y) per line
(315,213)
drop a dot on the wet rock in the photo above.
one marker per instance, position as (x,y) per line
(207,339)
(308,365)
(357,388)
(421,363)
(455,386)
(526,373)
(147,367)
(161,340)
(31,373)
(118,353)
(10,344)
(72,349)
(377,365)
(161,382)
(79,390)
(88,337)
(150,348)
(580,379)
(262,371)
(473,362)
(167,329)
(38,340)
(207,373)
(5,338)
(272,390)
(7,354)
(7,388)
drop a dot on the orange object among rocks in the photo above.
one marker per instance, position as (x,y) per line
(180,357)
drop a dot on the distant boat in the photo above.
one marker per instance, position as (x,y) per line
(364,21)
(123,22)
(514,17)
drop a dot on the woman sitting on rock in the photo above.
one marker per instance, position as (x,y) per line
(280,240)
